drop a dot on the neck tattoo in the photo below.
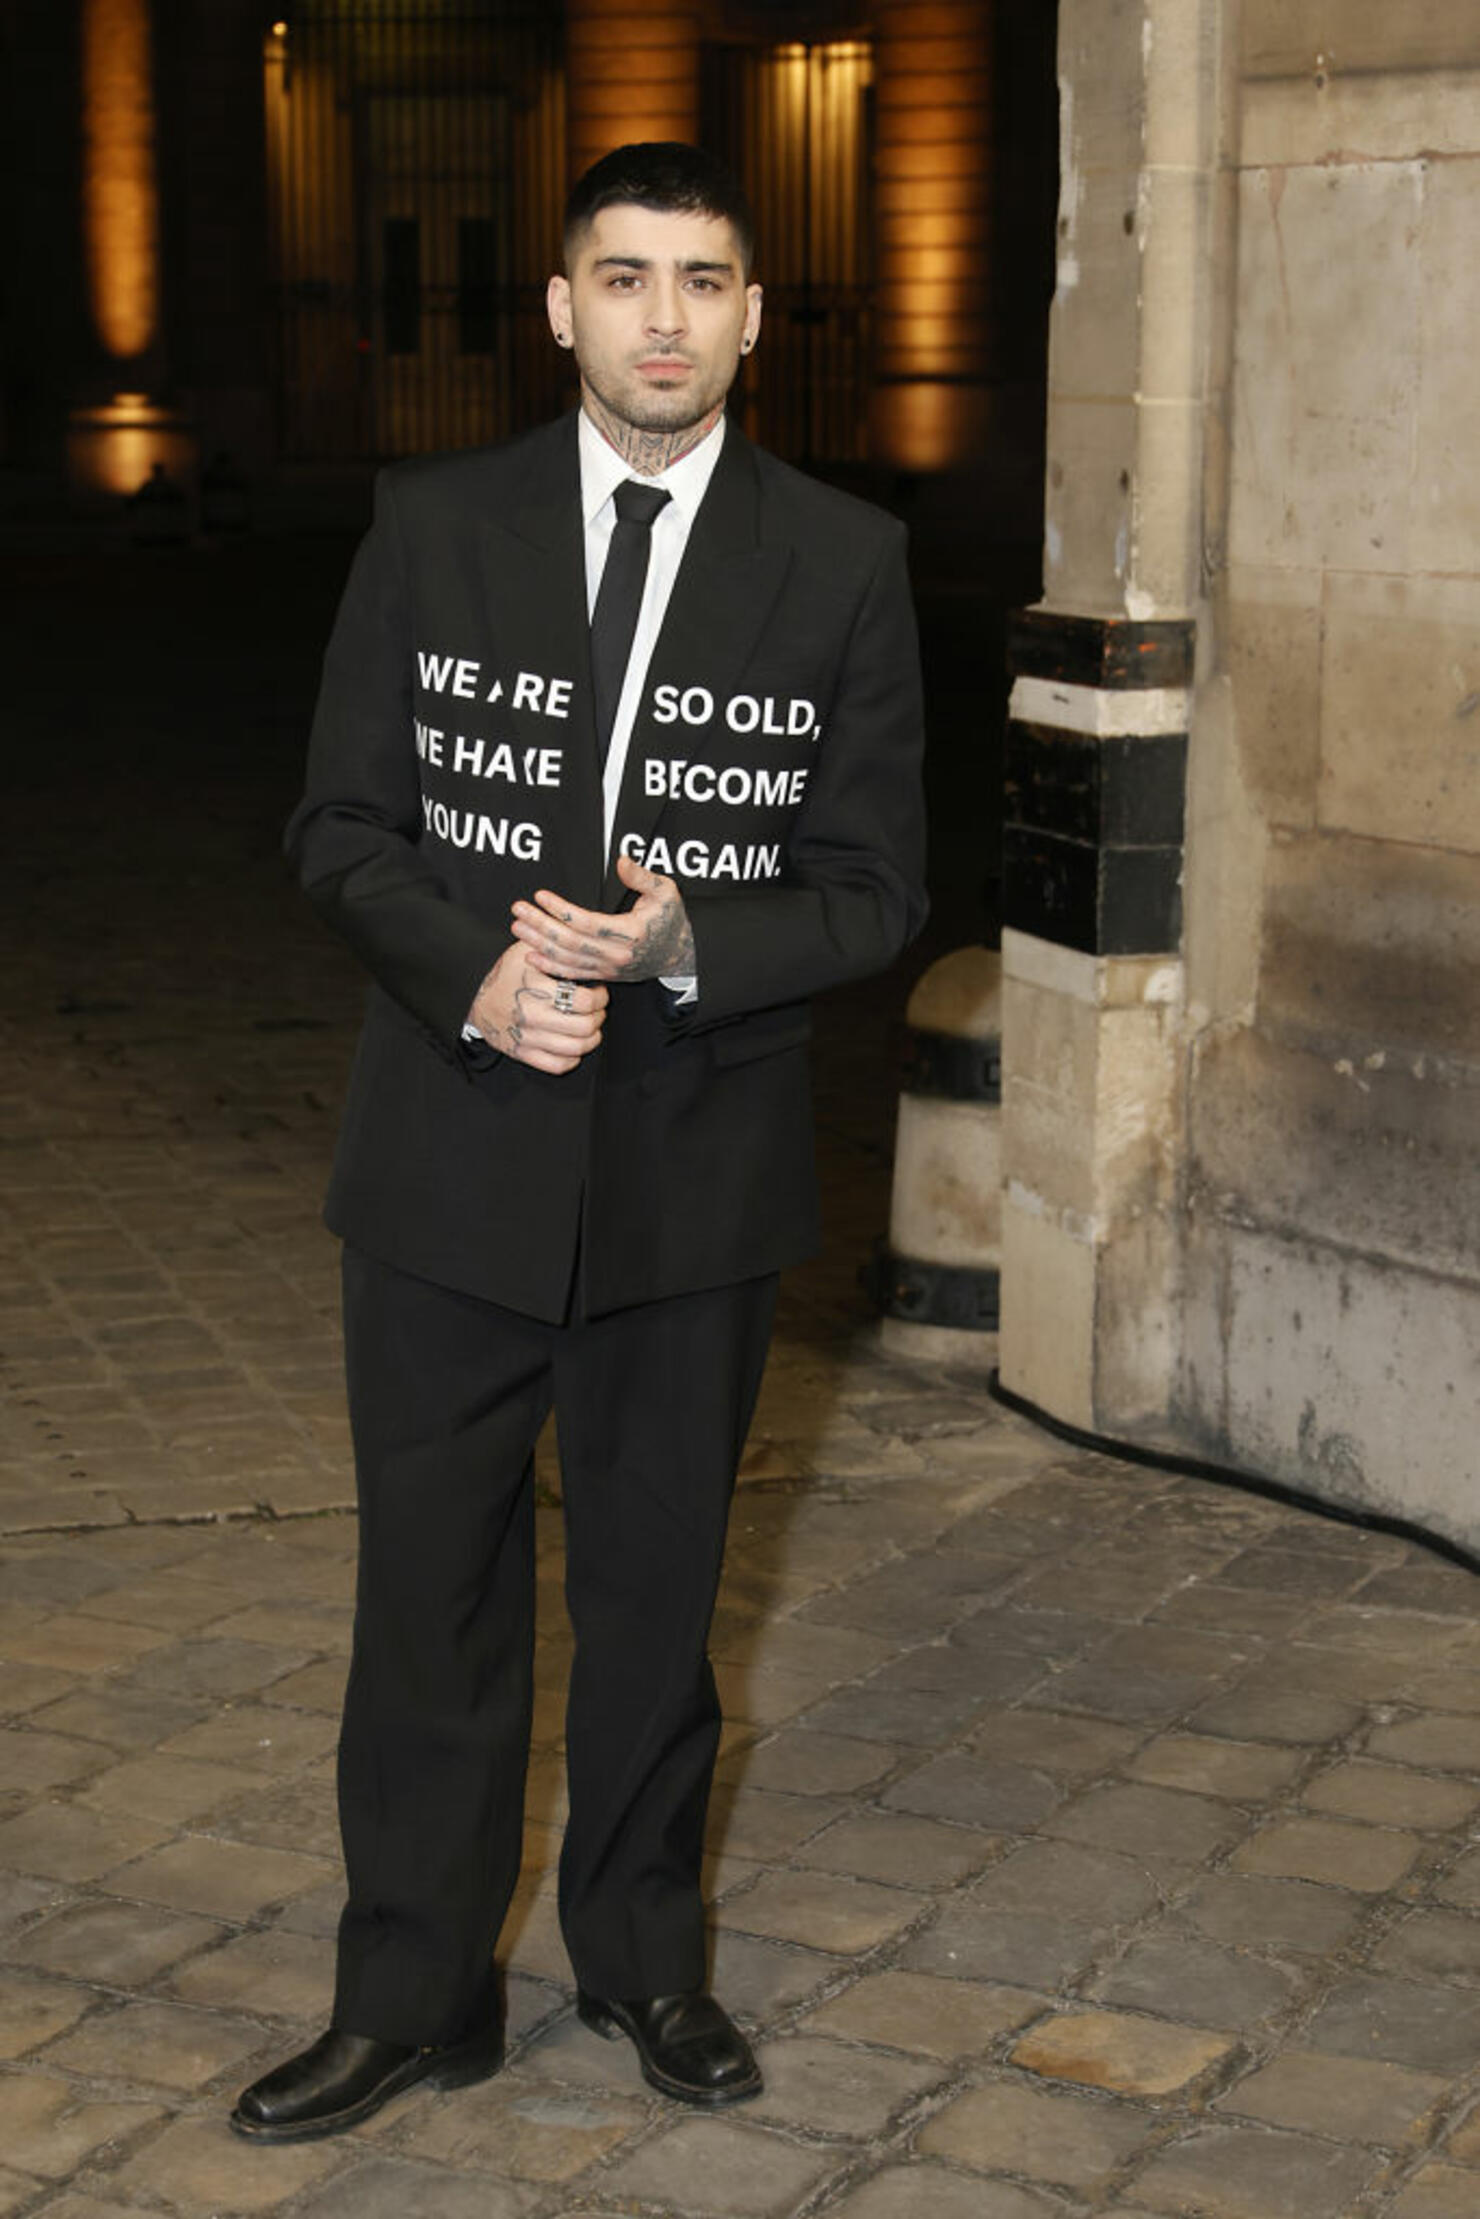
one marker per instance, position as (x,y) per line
(647,452)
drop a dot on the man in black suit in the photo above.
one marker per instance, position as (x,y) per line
(616,762)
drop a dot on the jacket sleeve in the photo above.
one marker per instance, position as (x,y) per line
(853,891)
(353,839)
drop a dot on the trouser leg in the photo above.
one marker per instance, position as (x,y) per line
(447,1396)
(653,1405)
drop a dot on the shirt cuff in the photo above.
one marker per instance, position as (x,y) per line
(685,990)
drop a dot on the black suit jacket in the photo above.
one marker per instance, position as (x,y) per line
(773,771)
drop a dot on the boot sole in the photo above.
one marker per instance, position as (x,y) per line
(461,2067)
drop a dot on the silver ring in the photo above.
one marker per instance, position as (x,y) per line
(565,997)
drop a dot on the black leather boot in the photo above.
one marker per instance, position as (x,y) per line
(688,2046)
(344,2078)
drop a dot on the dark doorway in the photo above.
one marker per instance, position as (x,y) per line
(416,169)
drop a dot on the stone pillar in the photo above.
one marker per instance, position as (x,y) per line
(1100,713)
(933,231)
(632,72)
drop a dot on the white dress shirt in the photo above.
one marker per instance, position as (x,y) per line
(686,481)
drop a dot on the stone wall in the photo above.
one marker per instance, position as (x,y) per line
(1241,1205)
(1332,1291)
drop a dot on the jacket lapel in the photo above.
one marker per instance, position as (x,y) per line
(535,581)
(726,587)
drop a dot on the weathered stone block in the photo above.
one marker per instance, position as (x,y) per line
(1286,37)
(1182,56)
(915,2011)
(1400,689)
(912,2191)
(1138,1307)
(1113,2049)
(1375,1156)
(1441,1743)
(1437,2191)
(1433,1945)
(1446,508)
(1102,60)
(1048,1299)
(891,1846)
(1239,1770)
(1171,230)
(748,2173)
(834,2088)
(1423,2024)
(1347,2098)
(1389,118)
(1096,329)
(1151,1823)
(848,1916)
(1241,2173)
(1087,511)
(1387,1795)
(1069,2140)
(1368,1859)
(50,2128)
(1272,642)
(1164,575)
(125,1945)
(158,2044)
(1326,367)
(1290,1916)
(1317,1344)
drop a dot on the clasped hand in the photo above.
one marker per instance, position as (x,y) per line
(530,1006)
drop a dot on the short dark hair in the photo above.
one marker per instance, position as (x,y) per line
(666,175)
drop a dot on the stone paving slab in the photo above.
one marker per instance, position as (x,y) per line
(1088,1839)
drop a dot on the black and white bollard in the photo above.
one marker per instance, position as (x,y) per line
(937,1280)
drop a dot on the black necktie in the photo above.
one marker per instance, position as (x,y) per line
(614,619)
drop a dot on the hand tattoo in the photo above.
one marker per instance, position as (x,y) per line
(665,946)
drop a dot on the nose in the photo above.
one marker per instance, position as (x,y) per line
(667,316)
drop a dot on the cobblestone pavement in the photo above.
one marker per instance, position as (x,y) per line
(1088,1839)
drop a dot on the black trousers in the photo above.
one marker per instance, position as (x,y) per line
(447,1395)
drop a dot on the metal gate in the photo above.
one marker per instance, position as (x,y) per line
(416,164)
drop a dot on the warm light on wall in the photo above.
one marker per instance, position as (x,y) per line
(120,195)
(631,73)
(112,449)
(935,315)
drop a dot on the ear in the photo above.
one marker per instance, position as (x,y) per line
(557,308)
(752,329)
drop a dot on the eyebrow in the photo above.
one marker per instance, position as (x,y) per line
(691,266)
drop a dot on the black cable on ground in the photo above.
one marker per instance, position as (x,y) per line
(1228,1475)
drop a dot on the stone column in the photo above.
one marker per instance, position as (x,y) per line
(935,315)
(1101,709)
(632,72)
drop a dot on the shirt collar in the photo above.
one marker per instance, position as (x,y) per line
(602,471)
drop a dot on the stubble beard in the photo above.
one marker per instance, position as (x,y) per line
(647,433)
